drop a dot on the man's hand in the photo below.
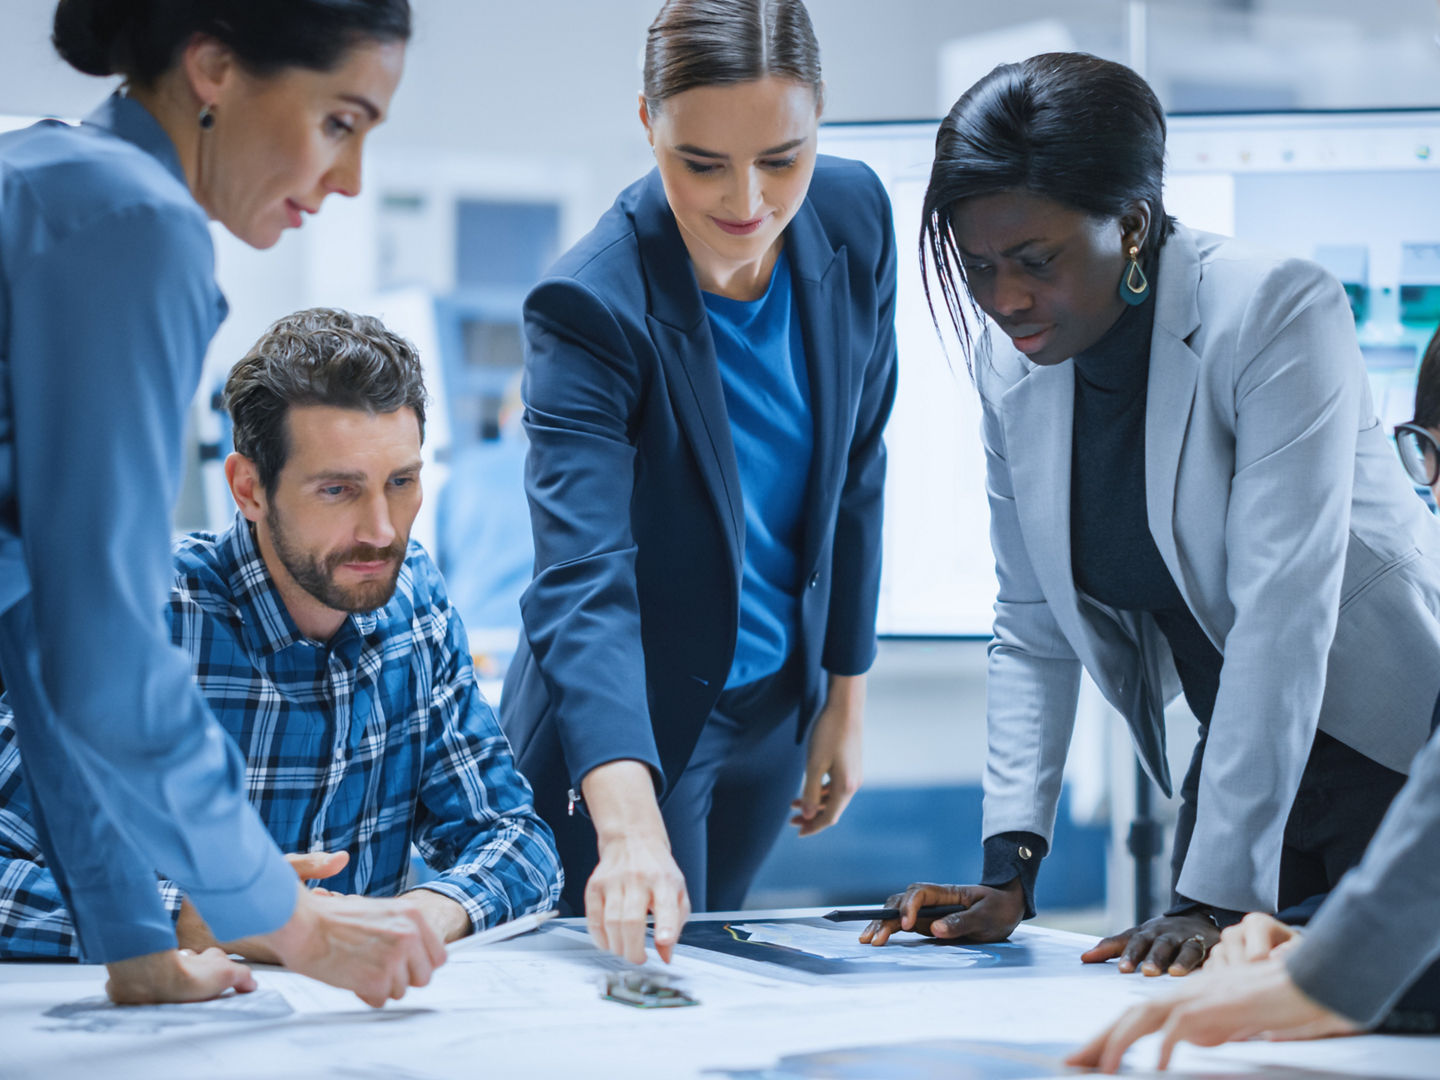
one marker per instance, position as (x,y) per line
(833,762)
(1254,938)
(636,873)
(176,976)
(377,948)
(448,918)
(318,865)
(1226,1005)
(194,933)
(1173,944)
(989,915)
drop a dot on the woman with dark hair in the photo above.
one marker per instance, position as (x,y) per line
(1361,962)
(1190,493)
(707,377)
(248,112)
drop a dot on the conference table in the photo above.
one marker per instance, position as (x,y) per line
(782,995)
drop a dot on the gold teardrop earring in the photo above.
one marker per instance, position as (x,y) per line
(1134,285)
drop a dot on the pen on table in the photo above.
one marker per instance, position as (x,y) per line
(938,911)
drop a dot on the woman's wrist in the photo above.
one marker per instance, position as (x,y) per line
(846,692)
(620,798)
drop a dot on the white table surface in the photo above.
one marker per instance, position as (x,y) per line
(530,1008)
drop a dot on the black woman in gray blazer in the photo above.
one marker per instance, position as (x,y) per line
(1190,493)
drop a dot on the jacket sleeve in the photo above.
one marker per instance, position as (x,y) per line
(855,583)
(1298,385)
(100,395)
(1380,928)
(476,824)
(1033,676)
(581,612)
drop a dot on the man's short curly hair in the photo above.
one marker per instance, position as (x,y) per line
(320,356)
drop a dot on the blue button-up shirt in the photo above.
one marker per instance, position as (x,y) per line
(366,743)
(107,305)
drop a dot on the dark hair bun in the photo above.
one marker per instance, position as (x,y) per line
(140,39)
(95,36)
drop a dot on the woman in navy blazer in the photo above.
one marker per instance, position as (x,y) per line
(668,674)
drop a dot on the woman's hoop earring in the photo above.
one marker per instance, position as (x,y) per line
(1134,285)
(206,119)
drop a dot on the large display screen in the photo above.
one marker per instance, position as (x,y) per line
(1358,192)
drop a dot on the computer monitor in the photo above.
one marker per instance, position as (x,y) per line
(1358,192)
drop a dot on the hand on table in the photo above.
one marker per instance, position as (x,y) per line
(194,933)
(1167,944)
(1255,937)
(636,873)
(375,947)
(990,914)
(833,771)
(1226,1005)
(176,975)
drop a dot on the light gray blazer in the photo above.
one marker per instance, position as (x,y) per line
(1279,508)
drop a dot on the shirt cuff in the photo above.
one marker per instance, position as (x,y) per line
(1014,855)
(265,904)
(120,920)
(483,896)
(1221,917)
(172,897)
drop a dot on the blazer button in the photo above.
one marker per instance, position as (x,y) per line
(814,579)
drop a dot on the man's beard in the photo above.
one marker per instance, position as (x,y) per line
(316,574)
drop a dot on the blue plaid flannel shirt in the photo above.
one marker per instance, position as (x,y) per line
(366,743)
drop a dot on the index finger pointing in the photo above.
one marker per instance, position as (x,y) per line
(666,908)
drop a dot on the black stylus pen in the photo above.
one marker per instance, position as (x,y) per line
(866,914)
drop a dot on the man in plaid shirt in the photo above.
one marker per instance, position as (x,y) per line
(326,646)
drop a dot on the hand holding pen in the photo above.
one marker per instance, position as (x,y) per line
(974,913)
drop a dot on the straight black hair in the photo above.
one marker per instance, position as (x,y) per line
(141,39)
(713,42)
(1084,132)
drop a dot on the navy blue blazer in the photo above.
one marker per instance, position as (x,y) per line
(630,622)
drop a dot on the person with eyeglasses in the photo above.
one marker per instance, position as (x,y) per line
(1418,441)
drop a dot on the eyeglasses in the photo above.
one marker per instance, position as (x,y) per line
(1419,452)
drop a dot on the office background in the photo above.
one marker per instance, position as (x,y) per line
(513,129)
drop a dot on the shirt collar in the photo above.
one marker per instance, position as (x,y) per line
(258,601)
(127,119)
